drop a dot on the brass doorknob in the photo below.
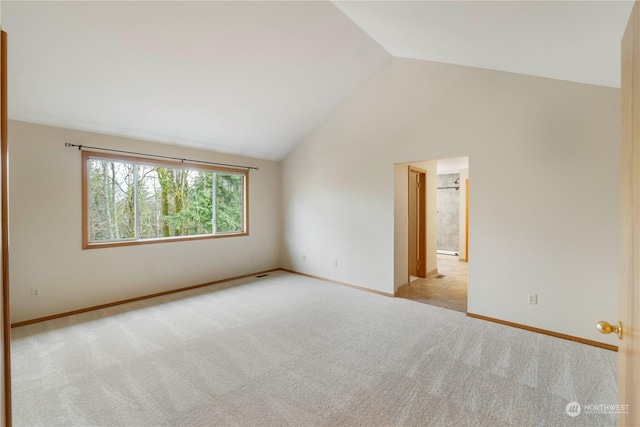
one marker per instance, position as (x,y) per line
(607,328)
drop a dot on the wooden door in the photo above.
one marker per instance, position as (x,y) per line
(417,222)
(466,220)
(629,346)
(5,413)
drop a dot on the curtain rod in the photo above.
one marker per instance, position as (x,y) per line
(80,147)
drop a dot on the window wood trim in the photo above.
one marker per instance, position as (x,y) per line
(86,244)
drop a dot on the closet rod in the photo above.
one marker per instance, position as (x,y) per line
(444,188)
(80,147)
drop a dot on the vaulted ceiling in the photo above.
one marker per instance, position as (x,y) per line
(568,40)
(255,78)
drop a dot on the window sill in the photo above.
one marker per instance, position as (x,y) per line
(136,242)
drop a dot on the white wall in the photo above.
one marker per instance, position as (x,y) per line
(544,204)
(464,175)
(401,215)
(45,229)
(400,226)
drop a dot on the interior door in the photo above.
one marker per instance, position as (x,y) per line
(5,412)
(413,223)
(417,222)
(466,221)
(629,346)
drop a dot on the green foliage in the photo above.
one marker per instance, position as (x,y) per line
(229,202)
(170,201)
(188,198)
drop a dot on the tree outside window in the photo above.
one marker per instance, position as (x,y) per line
(133,200)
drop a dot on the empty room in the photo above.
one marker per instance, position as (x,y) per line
(207,213)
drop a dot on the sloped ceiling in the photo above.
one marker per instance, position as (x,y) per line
(568,40)
(251,78)
(255,78)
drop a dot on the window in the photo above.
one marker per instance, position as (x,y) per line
(129,200)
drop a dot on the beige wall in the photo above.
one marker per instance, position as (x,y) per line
(45,229)
(544,203)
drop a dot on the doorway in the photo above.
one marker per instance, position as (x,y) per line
(440,276)
(417,222)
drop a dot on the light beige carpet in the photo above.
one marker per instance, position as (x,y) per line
(289,350)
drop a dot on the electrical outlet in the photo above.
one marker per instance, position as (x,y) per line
(335,263)
(35,292)
(304,257)
(532,298)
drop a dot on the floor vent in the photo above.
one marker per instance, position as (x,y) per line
(262,275)
(440,276)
